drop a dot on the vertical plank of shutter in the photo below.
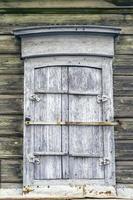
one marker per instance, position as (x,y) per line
(85,139)
(48,138)
(28,171)
(65,129)
(109,151)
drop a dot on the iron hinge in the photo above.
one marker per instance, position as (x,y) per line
(33,159)
(104,161)
(102,98)
(34,97)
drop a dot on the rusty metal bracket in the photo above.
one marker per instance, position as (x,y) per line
(59,123)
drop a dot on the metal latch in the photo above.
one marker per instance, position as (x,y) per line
(102,98)
(33,159)
(28,122)
(104,161)
(34,97)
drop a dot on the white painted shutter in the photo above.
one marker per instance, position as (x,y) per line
(68,94)
(67,85)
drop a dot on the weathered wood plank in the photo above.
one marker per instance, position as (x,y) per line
(121,153)
(10,146)
(124,45)
(108,114)
(54,4)
(9,44)
(10,21)
(69,10)
(123,85)
(11,64)
(72,44)
(127,30)
(11,125)
(11,84)
(124,172)
(124,150)
(11,104)
(11,171)
(125,130)
(11,185)
(121,2)
(123,106)
(10,174)
(123,65)
(123,61)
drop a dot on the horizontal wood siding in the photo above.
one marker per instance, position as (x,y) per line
(40,12)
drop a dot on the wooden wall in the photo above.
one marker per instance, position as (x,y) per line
(14,14)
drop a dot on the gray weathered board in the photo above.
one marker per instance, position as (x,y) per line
(67,68)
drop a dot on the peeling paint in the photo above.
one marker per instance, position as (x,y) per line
(86,191)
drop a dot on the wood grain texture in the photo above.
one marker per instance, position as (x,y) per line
(11,171)
(10,146)
(123,86)
(123,106)
(55,4)
(60,10)
(123,65)
(11,64)
(11,84)
(108,115)
(63,3)
(124,45)
(125,130)
(11,125)
(10,45)
(67,44)
(28,142)
(121,2)
(11,104)
(52,104)
(123,61)
(124,150)
(124,172)
(8,22)
(11,185)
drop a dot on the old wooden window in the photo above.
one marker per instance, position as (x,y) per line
(68,105)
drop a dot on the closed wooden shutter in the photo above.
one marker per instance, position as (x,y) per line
(68,107)
(61,101)
(68,94)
